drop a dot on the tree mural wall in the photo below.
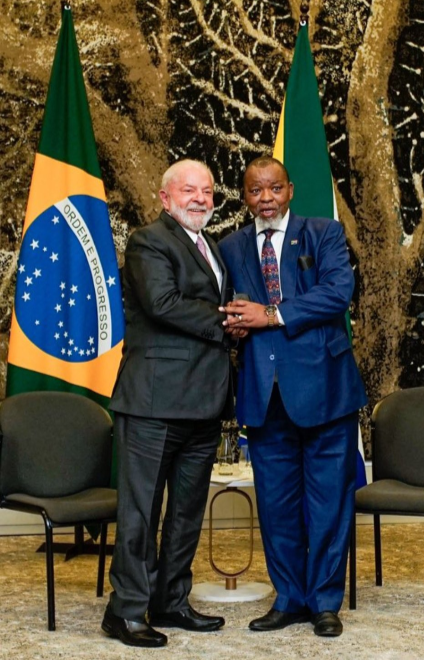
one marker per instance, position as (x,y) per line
(206,79)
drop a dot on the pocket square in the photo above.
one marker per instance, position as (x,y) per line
(306,262)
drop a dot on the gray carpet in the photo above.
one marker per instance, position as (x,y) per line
(388,624)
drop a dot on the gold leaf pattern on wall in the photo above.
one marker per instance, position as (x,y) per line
(206,79)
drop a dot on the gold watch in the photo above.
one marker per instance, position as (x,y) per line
(271,312)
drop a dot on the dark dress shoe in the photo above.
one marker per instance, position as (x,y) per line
(327,624)
(188,619)
(132,633)
(276,620)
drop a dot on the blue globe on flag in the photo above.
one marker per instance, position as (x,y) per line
(68,294)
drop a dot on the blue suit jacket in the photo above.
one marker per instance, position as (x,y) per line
(311,354)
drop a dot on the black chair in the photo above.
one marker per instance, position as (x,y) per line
(397,434)
(55,461)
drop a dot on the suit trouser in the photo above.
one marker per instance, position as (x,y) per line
(305,468)
(151,454)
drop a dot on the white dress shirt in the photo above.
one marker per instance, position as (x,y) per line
(277,240)
(213,262)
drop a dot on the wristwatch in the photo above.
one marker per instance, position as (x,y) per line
(271,312)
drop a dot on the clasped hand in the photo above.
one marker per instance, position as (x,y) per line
(244,314)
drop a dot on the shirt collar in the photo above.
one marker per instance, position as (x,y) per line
(193,234)
(281,225)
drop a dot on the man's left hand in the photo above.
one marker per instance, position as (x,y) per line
(245,314)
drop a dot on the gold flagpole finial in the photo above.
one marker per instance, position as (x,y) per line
(304,12)
(65,4)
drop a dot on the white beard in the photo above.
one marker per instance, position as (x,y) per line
(268,224)
(183,217)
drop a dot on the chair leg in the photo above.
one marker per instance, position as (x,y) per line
(352,566)
(377,546)
(102,560)
(50,575)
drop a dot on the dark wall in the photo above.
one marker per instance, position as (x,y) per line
(206,79)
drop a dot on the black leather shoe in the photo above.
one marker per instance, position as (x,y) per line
(327,624)
(188,619)
(276,620)
(132,633)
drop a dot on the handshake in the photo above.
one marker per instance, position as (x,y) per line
(242,315)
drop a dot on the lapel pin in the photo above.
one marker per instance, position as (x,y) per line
(294,241)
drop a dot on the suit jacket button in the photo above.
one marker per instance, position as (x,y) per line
(272,357)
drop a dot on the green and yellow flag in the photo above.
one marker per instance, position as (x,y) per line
(67,325)
(301,144)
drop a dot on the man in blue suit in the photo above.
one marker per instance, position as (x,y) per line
(299,391)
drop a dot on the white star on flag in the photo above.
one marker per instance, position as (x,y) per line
(34,244)
(21,268)
(62,285)
(28,281)
(26,296)
(55,220)
(56,335)
(54,256)
(110,280)
(58,308)
(71,302)
(91,340)
(74,288)
(37,322)
(37,272)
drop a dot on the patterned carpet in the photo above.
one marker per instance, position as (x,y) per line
(388,624)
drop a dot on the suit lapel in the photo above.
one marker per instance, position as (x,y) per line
(252,266)
(179,233)
(216,253)
(290,255)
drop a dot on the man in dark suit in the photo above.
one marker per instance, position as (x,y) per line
(172,389)
(299,391)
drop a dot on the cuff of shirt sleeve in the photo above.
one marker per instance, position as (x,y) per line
(280,318)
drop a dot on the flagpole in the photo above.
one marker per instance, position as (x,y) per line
(304,12)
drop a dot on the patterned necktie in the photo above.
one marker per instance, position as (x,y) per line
(269,265)
(202,248)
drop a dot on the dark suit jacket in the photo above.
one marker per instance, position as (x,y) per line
(311,355)
(175,362)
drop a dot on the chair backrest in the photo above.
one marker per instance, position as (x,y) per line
(53,444)
(398,437)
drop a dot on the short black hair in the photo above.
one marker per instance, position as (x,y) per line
(266,161)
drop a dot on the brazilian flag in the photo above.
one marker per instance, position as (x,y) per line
(68,325)
(301,144)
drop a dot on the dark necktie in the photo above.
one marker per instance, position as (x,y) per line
(269,265)
(202,248)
